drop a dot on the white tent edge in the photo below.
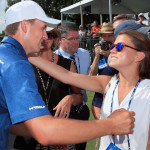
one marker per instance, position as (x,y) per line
(81,3)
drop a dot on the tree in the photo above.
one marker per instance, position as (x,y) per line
(51,7)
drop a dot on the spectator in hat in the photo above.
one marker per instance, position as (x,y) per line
(100,62)
(143,20)
(22,110)
(107,36)
(82,36)
(82,32)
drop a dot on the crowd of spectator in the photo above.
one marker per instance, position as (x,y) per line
(92,30)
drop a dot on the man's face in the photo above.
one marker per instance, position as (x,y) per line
(95,23)
(34,36)
(108,37)
(70,43)
(141,18)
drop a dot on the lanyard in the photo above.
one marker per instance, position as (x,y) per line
(131,98)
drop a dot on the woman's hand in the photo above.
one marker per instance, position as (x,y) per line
(64,106)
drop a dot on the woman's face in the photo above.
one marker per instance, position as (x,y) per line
(126,57)
(46,44)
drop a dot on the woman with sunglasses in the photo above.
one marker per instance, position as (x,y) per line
(130,55)
(55,93)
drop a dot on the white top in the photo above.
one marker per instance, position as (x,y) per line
(140,105)
(82,58)
(82,33)
(146,22)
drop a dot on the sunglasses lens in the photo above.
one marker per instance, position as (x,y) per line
(119,47)
(112,46)
(51,35)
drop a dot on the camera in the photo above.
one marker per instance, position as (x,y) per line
(105,45)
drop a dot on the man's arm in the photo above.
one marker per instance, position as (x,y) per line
(48,130)
(94,66)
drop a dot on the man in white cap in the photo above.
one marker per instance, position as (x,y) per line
(21,106)
(143,20)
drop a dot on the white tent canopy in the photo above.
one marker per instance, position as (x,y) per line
(106,7)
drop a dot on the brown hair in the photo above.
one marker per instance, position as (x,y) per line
(141,43)
(64,28)
(12,28)
(56,37)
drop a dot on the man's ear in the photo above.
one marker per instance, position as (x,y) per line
(140,56)
(24,25)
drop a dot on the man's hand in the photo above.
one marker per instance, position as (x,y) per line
(122,121)
(99,51)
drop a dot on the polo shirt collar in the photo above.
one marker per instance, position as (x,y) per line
(15,43)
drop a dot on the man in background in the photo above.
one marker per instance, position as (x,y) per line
(100,61)
(143,20)
(69,48)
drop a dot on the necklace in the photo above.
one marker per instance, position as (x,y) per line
(45,87)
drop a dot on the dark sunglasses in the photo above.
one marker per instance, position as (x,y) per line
(51,35)
(119,46)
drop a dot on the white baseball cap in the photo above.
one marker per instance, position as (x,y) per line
(140,14)
(26,10)
(49,28)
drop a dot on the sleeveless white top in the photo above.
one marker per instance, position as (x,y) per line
(140,105)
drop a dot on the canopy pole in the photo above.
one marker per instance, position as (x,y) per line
(61,17)
(81,13)
(101,19)
(110,10)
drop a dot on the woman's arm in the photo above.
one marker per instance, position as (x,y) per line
(91,83)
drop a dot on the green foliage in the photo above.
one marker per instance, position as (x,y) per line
(51,7)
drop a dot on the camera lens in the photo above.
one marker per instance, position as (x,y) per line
(105,45)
